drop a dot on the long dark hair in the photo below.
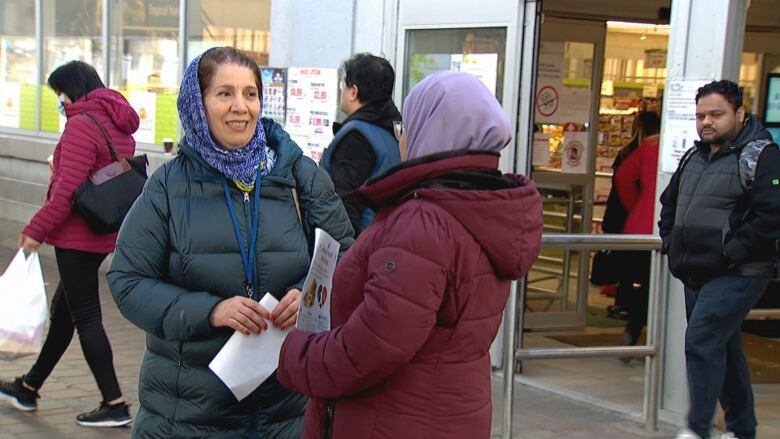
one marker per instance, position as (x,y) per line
(75,79)
(646,124)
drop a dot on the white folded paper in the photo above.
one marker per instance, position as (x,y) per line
(246,361)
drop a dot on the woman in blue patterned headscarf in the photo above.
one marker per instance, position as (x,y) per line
(215,229)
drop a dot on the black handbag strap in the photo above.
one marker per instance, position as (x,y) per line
(111,149)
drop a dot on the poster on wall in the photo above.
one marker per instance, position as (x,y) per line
(575,152)
(312,101)
(549,82)
(482,65)
(10,97)
(679,130)
(274,93)
(145,104)
(541,150)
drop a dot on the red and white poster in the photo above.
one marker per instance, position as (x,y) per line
(312,101)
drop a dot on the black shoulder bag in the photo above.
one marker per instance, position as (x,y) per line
(104,199)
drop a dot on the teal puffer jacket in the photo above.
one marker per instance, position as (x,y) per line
(177,257)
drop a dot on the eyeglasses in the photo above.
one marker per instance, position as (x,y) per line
(398,129)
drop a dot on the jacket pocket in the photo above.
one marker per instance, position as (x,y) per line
(703,253)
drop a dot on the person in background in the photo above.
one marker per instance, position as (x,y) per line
(82,149)
(614,220)
(365,145)
(720,223)
(216,228)
(418,300)
(635,185)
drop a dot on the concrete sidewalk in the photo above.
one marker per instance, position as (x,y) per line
(71,390)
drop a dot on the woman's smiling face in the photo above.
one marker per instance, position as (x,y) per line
(232,105)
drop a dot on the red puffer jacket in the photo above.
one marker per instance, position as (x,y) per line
(82,150)
(417,302)
(635,183)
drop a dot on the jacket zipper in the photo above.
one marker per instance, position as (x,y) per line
(330,411)
(707,160)
(248,217)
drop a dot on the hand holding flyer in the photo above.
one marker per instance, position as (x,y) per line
(314,314)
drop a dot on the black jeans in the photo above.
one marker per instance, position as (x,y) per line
(716,366)
(76,304)
(637,273)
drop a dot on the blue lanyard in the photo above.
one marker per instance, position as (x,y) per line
(248,253)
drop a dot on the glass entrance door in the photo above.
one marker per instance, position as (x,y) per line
(562,153)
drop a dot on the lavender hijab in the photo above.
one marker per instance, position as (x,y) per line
(451,111)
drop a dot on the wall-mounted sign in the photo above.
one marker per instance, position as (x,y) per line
(772,112)
(655,58)
(575,152)
(274,93)
(549,83)
(679,130)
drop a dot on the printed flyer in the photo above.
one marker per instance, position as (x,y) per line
(314,314)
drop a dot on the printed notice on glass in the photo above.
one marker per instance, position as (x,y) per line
(314,314)
(679,131)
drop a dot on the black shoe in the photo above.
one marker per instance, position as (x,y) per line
(626,340)
(19,396)
(106,416)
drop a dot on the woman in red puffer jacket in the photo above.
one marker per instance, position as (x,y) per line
(419,297)
(81,150)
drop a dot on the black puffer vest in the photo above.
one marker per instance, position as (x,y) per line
(712,203)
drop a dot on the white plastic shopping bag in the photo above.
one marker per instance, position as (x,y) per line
(23,309)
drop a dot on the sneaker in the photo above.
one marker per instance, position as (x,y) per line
(106,416)
(686,433)
(19,396)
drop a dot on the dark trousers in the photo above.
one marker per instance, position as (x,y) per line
(638,280)
(716,366)
(76,304)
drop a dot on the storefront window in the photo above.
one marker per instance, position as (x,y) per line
(479,51)
(240,24)
(145,63)
(17,64)
(72,30)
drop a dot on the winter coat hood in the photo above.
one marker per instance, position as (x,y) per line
(502,212)
(112,103)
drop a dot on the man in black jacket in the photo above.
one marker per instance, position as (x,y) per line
(365,145)
(719,224)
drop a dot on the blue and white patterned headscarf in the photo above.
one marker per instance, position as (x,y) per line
(239,165)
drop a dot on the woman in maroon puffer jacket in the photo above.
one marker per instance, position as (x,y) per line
(81,150)
(418,299)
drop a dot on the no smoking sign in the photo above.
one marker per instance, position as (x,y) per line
(547,101)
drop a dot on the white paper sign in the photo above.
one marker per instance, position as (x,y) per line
(482,65)
(575,105)
(575,152)
(679,130)
(145,104)
(10,97)
(541,150)
(549,82)
(312,101)
(246,361)
(314,314)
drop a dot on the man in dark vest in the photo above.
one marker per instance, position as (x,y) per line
(365,145)
(719,224)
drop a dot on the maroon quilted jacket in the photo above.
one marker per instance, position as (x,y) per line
(80,151)
(417,302)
